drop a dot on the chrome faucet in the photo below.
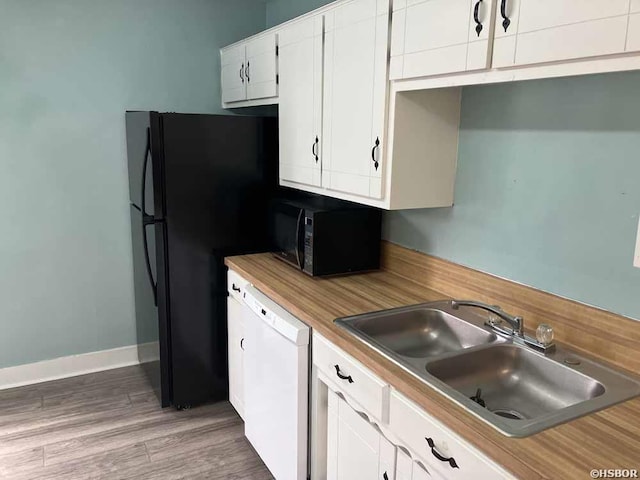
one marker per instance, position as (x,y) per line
(517,323)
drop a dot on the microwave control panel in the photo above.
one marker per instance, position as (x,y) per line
(308,245)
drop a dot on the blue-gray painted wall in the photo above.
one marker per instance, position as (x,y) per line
(547,189)
(68,71)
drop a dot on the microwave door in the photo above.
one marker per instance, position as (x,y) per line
(288,233)
(299,240)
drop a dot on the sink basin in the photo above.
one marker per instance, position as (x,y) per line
(418,331)
(514,382)
(517,390)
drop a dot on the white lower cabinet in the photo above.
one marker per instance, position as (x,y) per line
(404,465)
(235,340)
(355,448)
(235,332)
(359,434)
(443,452)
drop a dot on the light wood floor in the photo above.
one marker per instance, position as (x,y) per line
(108,425)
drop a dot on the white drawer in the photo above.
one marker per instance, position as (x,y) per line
(235,285)
(416,429)
(351,378)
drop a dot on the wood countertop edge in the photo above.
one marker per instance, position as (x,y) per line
(541,456)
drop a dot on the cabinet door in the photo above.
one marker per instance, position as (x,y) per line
(421,473)
(300,101)
(355,449)
(233,81)
(355,93)
(633,35)
(235,332)
(404,466)
(261,67)
(537,31)
(432,37)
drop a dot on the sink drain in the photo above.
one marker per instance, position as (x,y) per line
(511,414)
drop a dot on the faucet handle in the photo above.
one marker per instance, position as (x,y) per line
(544,334)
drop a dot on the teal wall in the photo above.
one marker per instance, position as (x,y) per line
(547,189)
(279,11)
(68,71)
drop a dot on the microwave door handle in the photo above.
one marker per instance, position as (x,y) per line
(298,229)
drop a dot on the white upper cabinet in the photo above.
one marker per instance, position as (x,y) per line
(431,37)
(234,87)
(300,102)
(261,71)
(355,94)
(369,90)
(538,31)
(633,34)
(249,72)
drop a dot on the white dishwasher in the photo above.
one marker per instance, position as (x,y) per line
(276,374)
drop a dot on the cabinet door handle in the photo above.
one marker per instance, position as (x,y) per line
(503,11)
(314,149)
(246,72)
(234,288)
(451,461)
(242,343)
(342,376)
(241,73)
(385,476)
(476,17)
(376,164)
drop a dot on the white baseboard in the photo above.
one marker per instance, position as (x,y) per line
(75,365)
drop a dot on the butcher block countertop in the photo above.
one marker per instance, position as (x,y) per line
(603,440)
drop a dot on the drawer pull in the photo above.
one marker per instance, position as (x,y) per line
(341,376)
(242,343)
(234,288)
(451,461)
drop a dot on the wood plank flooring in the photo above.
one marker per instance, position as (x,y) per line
(109,425)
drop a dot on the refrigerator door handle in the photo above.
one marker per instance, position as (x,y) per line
(147,219)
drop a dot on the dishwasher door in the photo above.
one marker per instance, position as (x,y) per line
(276,369)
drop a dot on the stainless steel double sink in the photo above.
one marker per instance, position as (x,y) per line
(517,390)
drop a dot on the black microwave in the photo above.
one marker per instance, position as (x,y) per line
(323,236)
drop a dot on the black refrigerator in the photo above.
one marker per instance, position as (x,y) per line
(199,187)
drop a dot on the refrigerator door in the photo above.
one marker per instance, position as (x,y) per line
(149,255)
(219,172)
